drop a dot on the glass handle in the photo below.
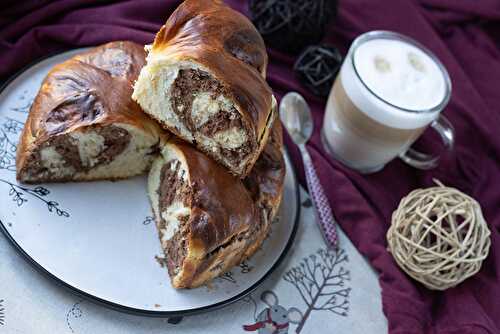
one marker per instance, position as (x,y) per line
(427,161)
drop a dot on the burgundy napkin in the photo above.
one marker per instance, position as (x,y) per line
(464,34)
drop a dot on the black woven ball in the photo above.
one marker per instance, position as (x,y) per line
(317,67)
(291,25)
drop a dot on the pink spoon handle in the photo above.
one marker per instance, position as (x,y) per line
(319,200)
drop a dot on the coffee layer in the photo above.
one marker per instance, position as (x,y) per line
(348,115)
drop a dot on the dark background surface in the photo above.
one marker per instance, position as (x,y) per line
(464,34)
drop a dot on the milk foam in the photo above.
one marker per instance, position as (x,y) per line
(400,73)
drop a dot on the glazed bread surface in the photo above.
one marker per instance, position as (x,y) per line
(205,81)
(202,214)
(208,220)
(83,124)
(265,184)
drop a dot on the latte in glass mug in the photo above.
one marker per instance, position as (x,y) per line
(388,91)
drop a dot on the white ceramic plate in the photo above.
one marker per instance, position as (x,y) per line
(98,238)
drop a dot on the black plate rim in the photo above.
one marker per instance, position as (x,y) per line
(135,311)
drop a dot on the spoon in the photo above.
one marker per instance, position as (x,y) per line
(295,115)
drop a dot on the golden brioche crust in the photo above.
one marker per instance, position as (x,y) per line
(91,89)
(226,43)
(221,209)
(265,182)
(229,217)
(221,203)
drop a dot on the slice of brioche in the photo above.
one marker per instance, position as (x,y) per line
(83,124)
(207,219)
(202,214)
(205,81)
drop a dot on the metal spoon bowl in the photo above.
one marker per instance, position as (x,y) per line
(296,116)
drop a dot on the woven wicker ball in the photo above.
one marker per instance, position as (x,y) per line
(438,236)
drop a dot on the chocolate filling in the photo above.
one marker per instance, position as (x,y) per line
(194,82)
(173,188)
(176,251)
(235,156)
(171,185)
(186,86)
(115,141)
(220,122)
(67,147)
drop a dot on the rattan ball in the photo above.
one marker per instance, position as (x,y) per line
(438,236)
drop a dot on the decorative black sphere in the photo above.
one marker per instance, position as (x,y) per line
(317,68)
(291,25)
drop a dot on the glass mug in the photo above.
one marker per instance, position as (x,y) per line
(389,90)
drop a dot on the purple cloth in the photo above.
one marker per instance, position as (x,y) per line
(464,34)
